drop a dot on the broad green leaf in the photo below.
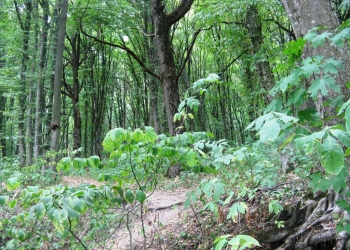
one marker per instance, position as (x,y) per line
(247,241)
(191,158)
(150,135)
(297,97)
(73,214)
(78,204)
(320,39)
(343,107)
(33,189)
(310,67)
(181,106)
(339,38)
(320,85)
(177,117)
(342,136)
(138,135)
(64,164)
(140,196)
(79,163)
(3,200)
(12,183)
(331,66)
(168,152)
(221,244)
(269,131)
(332,158)
(93,161)
(21,235)
(12,203)
(129,196)
(40,210)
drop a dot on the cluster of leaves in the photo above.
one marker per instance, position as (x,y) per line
(138,156)
(304,136)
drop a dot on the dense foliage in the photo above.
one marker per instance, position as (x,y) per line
(276,111)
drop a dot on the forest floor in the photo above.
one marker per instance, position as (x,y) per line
(304,220)
(164,216)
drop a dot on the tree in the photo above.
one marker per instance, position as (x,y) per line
(56,110)
(305,15)
(25,27)
(167,69)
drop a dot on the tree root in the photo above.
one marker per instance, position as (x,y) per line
(307,226)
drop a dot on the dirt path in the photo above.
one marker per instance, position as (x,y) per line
(163,209)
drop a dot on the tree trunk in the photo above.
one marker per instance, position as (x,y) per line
(56,109)
(40,91)
(73,92)
(254,26)
(168,75)
(23,79)
(305,15)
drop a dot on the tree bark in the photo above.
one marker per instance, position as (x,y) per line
(40,91)
(305,15)
(56,109)
(168,75)
(74,90)
(23,79)
(254,26)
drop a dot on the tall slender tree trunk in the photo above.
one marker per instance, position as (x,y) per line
(254,26)
(23,79)
(167,68)
(56,109)
(74,91)
(40,91)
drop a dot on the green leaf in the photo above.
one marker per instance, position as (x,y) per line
(138,135)
(321,83)
(12,183)
(93,161)
(150,135)
(177,117)
(168,152)
(129,196)
(342,136)
(64,164)
(191,158)
(78,205)
(140,196)
(3,200)
(343,107)
(297,97)
(310,67)
(181,106)
(347,117)
(320,39)
(291,80)
(339,38)
(332,158)
(221,244)
(21,235)
(12,204)
(79,163)
(40,210)
(269,131)
(332,65)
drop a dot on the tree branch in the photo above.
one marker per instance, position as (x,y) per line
(126,49)
(189,51)
(179,12)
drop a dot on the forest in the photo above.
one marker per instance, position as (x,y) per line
(244,105)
